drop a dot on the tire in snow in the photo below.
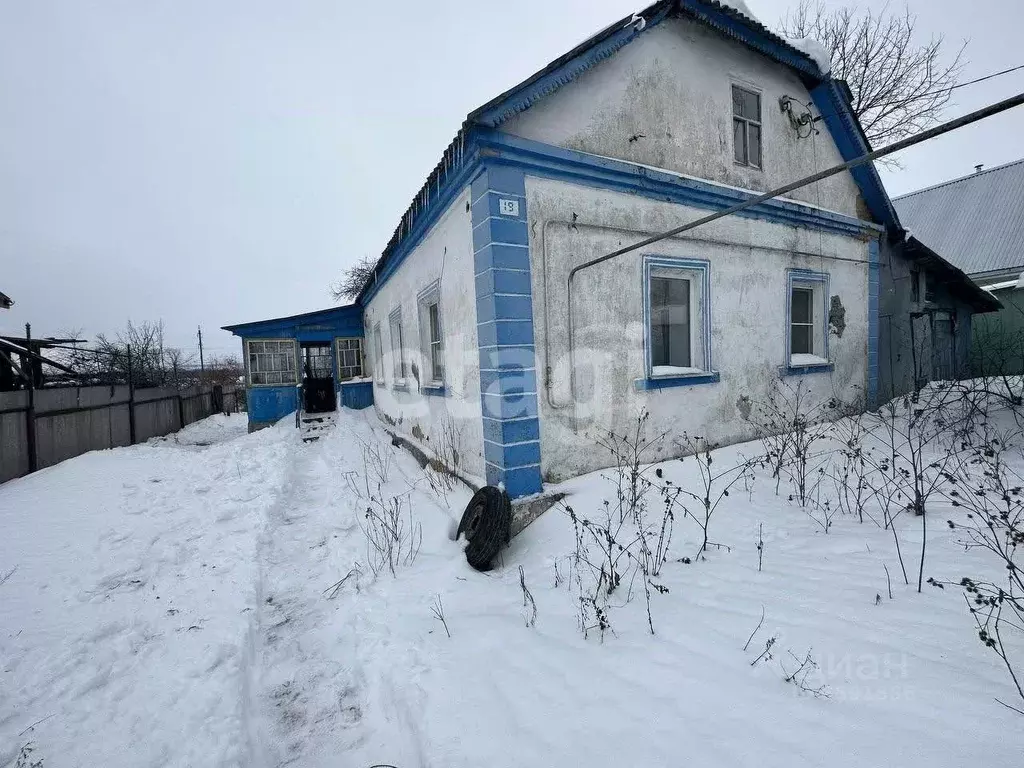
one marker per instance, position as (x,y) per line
(487,525)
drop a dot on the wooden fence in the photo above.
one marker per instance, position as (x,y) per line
(46,426)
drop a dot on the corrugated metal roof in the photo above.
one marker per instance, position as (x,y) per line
(976,222)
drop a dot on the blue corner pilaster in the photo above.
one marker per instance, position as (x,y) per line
(873,275)
(504,315)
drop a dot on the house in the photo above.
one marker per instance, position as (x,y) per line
(315,358)
(494,321)
(977,223)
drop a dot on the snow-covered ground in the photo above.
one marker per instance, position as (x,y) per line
(177,604)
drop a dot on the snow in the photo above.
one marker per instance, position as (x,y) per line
(178,604)
(818,53)
(741,6)
(805,359)
(674,370)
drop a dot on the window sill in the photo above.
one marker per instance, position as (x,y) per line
(272,386)
(400,385)
(354,381)
(434,390)
(803,364)
(667,382)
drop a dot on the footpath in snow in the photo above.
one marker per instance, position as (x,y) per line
(209,601)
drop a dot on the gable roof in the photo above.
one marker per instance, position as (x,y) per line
(832,97)
(976,222)
(959,284)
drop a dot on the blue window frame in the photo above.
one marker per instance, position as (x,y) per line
(677,323)
(806,330)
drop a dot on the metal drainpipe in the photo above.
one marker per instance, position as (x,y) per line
(939,130)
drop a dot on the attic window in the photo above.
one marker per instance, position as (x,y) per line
(746,127)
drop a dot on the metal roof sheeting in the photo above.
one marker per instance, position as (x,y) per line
(976,222)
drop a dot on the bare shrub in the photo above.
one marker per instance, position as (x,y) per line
(805,675)
(790,423)
(437,608)
(529,604)
(714,484)
(991,494)
(850,468)
(923,434)
(622,541)
(393,537)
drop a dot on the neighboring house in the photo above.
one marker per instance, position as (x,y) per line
(5,301)
(977,223)
(473,329)
(316,357)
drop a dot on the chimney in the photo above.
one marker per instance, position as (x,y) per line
(978,167)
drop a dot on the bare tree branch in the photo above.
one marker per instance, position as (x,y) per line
(900,86)
(353,279)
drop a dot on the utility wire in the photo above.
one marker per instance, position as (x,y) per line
(981,79)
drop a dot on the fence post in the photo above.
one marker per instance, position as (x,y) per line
(181,411)
(131,397)
(30,413)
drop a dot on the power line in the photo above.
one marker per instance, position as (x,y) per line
(969,82)
(982,79)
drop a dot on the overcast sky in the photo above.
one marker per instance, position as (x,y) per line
(217,161)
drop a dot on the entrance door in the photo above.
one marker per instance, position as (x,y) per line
(317,378)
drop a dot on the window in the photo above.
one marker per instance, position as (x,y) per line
(677,307)
(929,287)
(746,126)
(915,285)
(350,358)
(397,347)
(801,339)
(431,336)
(378,372)
(807,336)
(271,362)
(436,350)
(670,322)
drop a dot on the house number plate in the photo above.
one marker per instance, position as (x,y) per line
(508,207)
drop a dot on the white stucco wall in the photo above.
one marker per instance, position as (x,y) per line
(670,91)
(445,254)
(748,308)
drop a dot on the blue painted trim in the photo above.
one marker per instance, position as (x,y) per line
(806,276)
(505,335)
(448,191)
(434,391)
(528,93)
(511,430)
(703,266)
(603,45)
(802,370)
(851,143)
(873,325)
(538,159)
(760,40)
(668,382)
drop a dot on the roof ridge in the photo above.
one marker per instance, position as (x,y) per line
(957,180)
